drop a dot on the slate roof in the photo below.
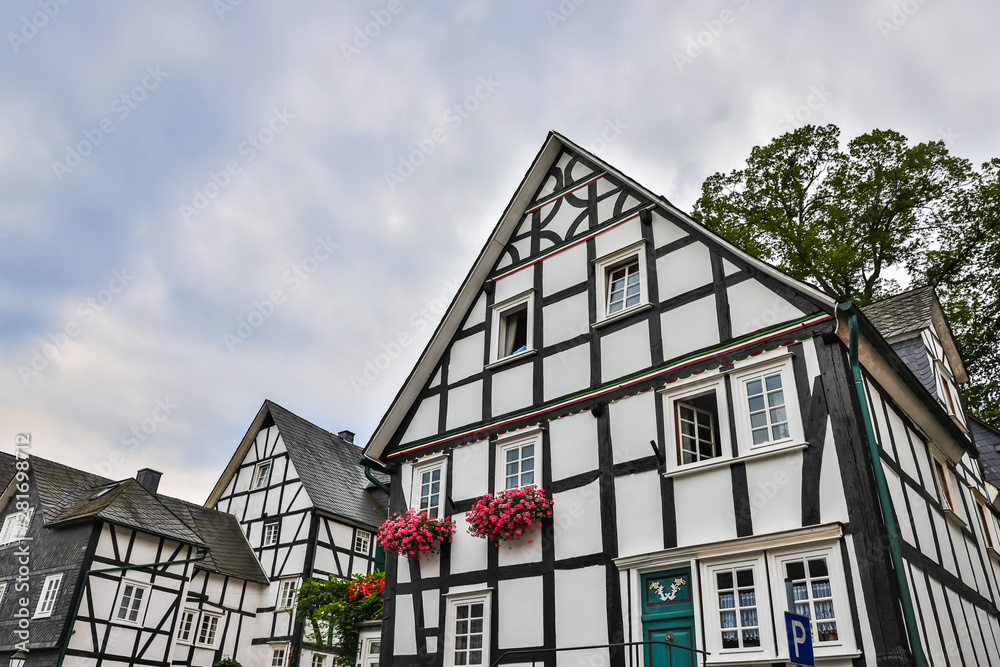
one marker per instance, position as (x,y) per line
(914,354)
(987,440)
(327,465)
(903,313)
(6,468)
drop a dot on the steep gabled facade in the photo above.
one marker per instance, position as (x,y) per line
(693,413)
(307,511)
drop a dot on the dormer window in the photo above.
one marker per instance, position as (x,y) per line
(513,322)
(15,526)
(621,282)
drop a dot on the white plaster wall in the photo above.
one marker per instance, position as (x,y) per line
(664,231)
(342,534)
(514,284)
(728,268)
(564,215)
(566,372)
(468,553)
(639,511)
(519,604)
(521,551)
(565,319)
(477,314)
(431,599)
(402,570)
(704,507)
(523,247)
(470,478)
(584,591)
(775,486)
(753,306)
(621,236)
(690,327)
(430,566)
(564,269)
(511,389)
(633,425)
(404,636)
(577,515)
(573,445)
(465,404)
(624,352)
(466,357)
(425,420)
(899,504)
(683,270)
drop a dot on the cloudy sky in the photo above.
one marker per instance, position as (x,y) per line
(206,204)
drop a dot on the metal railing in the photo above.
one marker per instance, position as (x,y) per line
(534,651)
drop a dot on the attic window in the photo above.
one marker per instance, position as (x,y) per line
(261,475)
(621,284)
(512,327)
(102,492)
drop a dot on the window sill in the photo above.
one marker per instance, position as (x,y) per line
(758,657)
(952,516)
(621,314)
(693,468)
(509,359)
(993,552)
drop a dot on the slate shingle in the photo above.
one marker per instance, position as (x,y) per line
(987,440)
(903,313)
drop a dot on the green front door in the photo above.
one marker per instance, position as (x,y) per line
(668,616)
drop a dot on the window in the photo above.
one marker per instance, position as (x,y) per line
(766,403)
(3,590)
(467,625)
(985,518)
(518,461)
(186,627)
(696,422)
(131,602)
(319,660)
(47,600)
(813,596)
(944,490)
(429,489)
(362,541)
(278,654)
(766,406)
(208,629)
(15,526)
(261,475)
(739,621)
(621,283)
(286,593)
(270,533)
(512,326)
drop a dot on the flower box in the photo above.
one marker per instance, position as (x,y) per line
(509,515)
(415,534)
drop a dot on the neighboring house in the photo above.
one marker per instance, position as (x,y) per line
(307,510)
(695,416)
(987,441)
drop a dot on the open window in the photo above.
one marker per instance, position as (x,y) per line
(15,526)
(621,282)
(697,423)
(941,478)
(513,323)
(261,475)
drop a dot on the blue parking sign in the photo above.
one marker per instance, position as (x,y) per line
(800,641)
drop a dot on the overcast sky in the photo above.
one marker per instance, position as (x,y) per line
(206,204)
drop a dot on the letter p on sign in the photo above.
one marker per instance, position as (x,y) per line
(800,645)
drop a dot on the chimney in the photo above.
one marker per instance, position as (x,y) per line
(149,479)
(346,435)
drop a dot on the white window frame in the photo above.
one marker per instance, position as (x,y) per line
(255,480)
(283,647)
(602,268)
(10,520)
(143,603)
(434,463)
(498,326)
(273,535)
(743,376)
(451,616)
(205,615)
(3,590)
(677,394)
(318,660)
(845,642)
(517,441)
(192,631)
(991,534)
(362,541)
(713,611)
(942,482)
(281,601)
(49,596)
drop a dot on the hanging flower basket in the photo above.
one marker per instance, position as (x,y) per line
(415,534)
(508,515)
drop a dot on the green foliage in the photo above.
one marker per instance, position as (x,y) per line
(846,219)
(227,662)
(334,610)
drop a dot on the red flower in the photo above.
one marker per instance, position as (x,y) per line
(508,515)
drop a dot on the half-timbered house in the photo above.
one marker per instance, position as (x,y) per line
(308,510)
(722,444)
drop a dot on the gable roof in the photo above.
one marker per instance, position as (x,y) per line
(522,200)
(326,465)
(987,441)
(905,315)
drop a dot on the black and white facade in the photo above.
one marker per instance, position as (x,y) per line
(694,414)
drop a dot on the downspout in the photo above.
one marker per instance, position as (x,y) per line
(909,616)
(379,552)
(85,579)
